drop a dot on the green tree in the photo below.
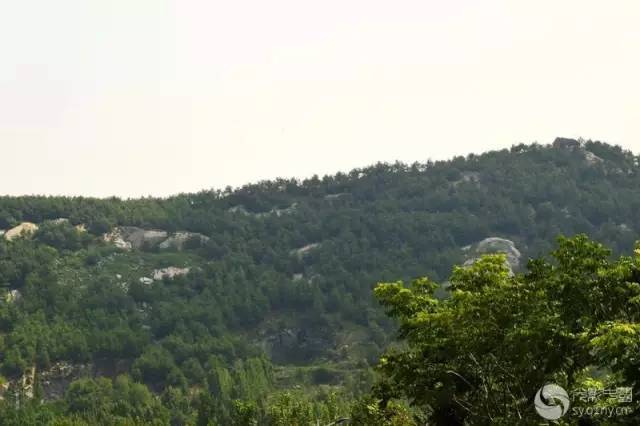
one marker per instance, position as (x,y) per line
(480,355)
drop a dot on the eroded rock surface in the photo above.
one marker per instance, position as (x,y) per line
(132,237)
(576,146)
(303,251)
(13,296)
(494,245)
(180,240)
(24,229)
(273,212)
(146,280)
(170,273)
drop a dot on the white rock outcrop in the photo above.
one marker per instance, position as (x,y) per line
(24,229)
(273,212)
(577,146)
(239,209)
(115,237)
(178,240)
(331,197)
(132,237)
(13,296)
(467,177)
(303,251)
(624,227)
(146,280)
(280,212)
(591,158)
(59,221)
(494,245)
(170,273)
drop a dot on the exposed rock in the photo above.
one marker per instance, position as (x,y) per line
(2,231)
(577,146)
(277,212)
(239,209)
(3,389)
(470,176)
(59,221)
(495,245)
(286,344)
(81,227)
(115,237)
(146,280)
(336,196)
(151,237)
(170,272)
(313,278)
(624,227)
(124,286)
(178,240)
(139,238)
(128,237)
(131,237)
(300,278)
(13,296)
(566,143)
(591,158)
(467,177)
(28,381)
(57,379)
(303,251)
(24,229)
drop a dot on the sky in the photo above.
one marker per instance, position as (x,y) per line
(155,97)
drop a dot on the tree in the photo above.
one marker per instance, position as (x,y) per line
(368,411)
(62,236)
(154,365)
(90,397)
(480,355)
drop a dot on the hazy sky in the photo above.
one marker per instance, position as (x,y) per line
(140,97)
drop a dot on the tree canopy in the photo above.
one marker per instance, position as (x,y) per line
(259,307)
(480,355)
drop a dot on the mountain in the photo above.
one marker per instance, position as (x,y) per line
(244,292)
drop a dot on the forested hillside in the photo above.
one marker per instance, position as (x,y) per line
(216,305)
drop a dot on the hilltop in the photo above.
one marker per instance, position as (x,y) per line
(268,286)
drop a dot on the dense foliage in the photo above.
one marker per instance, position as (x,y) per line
(480,356)
(276,314)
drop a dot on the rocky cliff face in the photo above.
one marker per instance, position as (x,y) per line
(170,273)
(494,245)
(13,296)
(25,228)
(55,380)
(134,238)
(180,240)
(131,237)
(303,251)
